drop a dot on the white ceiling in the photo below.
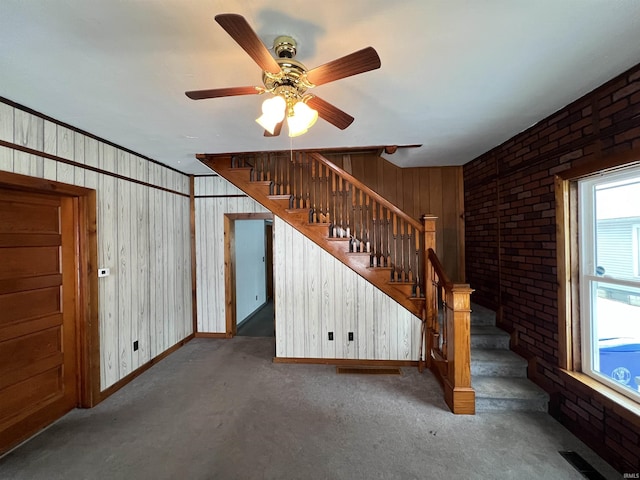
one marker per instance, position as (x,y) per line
(458,76)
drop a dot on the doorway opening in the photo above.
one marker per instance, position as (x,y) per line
(249,274)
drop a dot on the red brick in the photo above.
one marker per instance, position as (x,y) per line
(626,91)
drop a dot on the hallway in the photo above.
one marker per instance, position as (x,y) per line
(221,409)
(260,323)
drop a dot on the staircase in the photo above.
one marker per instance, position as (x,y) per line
(396,254)
(498,375)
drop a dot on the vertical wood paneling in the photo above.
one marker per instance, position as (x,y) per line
(328,304)
(28,132)
(6,134)
(313,298)
(289,314)
(155,244)
(78,155)
(383,330)
(50,167)
(130,217)
(66,149)
(91,159)
(107,257)
(280,297)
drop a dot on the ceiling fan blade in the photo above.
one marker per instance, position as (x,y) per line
(352,64)
(240,30)
(330,113)
(276,131)
(223,92)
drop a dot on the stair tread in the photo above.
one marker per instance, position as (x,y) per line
(487,355)
(482,315)
(506,387)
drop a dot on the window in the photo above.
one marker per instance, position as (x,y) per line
(608,221)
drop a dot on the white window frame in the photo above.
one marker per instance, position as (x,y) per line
(589,280)
(636,250)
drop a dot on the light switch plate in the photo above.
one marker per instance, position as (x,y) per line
(103,272)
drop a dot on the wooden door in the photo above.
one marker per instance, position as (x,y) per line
(38,381)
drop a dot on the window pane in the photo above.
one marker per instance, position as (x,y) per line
(616,324)
(617,207)
(609,211)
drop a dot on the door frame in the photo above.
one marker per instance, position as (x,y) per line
(231,324)
(81,203)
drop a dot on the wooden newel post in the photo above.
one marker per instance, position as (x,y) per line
(459,395)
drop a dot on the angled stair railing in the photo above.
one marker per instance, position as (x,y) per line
(374,238)
(448,334)
(350,210)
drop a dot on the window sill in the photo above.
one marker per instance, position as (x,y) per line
(619,403)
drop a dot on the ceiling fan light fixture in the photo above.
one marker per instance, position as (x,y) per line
(302,119)
(273,111)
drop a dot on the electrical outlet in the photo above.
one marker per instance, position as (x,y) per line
(135,345)
(351,336)
(331,336)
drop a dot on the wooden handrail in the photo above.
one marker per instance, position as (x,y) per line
(373,194)
(439,269)
(448,337)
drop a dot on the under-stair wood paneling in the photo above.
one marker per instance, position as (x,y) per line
(143,235)
(214,197)
(317,294)
(418,191)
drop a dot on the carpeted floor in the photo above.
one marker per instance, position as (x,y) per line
(220,409)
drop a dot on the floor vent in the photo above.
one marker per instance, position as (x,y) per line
(369,370)
(581,465)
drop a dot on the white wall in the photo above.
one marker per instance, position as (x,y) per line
(143,237)
(251,274)
(214,197)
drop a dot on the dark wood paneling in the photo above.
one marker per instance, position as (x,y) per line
(29,304)
(418,191)
(29,261)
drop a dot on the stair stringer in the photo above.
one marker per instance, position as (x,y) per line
(316,294)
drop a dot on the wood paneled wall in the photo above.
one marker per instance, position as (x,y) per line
(416,191)
(214,197)
(143,235)
(316,294)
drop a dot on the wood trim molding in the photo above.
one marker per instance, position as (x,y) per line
(602,163)
(143,368)
(347,361)
(212,335)
(221,196)
(38,153)
(194,279)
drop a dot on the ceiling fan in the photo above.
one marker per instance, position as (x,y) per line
(288,80)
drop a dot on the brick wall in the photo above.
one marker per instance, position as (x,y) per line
(511,247)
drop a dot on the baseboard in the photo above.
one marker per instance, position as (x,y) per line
(141,369)
(213,335)
(347,361)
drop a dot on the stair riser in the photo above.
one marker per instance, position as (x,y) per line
(490,341)
(482,319)
(511,405)
(497,369)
